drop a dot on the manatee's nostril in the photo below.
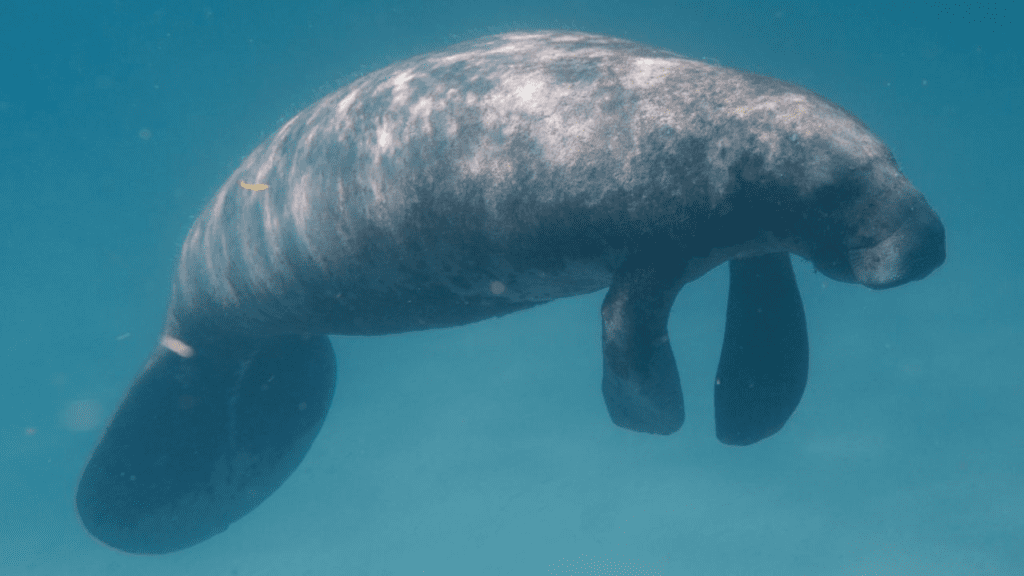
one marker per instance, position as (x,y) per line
(932,251)
(924,244)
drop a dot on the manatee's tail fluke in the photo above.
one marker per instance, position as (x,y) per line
(204,435)
(763,368)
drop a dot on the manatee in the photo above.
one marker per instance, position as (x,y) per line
(470,183)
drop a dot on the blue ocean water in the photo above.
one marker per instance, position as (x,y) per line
(487,449)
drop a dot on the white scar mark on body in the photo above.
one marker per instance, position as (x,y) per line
(177,346)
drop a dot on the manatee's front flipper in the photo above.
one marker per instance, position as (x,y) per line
(641,383)
(763,368)
(204,435)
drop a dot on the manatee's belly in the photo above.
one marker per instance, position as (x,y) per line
(374,284)
(397,299)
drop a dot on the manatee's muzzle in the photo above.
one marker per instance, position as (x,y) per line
(916,248)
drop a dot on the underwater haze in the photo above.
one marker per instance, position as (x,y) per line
(487,449)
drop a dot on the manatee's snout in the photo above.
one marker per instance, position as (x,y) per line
(916,248)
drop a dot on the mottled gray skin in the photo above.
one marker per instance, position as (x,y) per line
(543,161)
(470,183)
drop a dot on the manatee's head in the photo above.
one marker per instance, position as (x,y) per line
(910,252)
(845,205)
(874,228)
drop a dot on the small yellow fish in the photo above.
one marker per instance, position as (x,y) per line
(256,187)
